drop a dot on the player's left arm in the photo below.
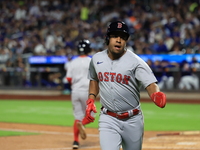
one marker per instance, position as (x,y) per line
(93,89)
(158,97)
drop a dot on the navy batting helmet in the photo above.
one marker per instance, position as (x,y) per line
(117,26)
(84,47)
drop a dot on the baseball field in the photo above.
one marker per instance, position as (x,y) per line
(45,123)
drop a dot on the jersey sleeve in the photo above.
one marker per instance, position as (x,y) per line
(144,74)
(69,71)
(91,72)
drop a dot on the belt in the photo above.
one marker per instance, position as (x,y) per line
(124,115)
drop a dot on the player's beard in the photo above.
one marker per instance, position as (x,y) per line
(115,54)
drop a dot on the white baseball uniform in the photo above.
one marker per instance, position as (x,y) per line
(119,89)
(77,70)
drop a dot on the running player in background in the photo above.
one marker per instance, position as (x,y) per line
(77,71)
(117,74)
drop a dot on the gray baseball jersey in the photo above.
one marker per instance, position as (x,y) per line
(77,70)
(120,80)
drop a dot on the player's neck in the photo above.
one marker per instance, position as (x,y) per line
(114,56)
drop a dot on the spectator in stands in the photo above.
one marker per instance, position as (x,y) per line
(167,79)
(21,12)
(176,49)
(161,48)
(189,80)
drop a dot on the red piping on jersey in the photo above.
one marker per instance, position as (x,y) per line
(69,80)
(83,56)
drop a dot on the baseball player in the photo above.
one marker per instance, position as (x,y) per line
(77,70)
(117,75)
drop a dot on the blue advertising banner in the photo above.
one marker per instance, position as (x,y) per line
(171,58)
(47,59)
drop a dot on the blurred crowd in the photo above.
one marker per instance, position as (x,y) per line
(53,27)
(172,75)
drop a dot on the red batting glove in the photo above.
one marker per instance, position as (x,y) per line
(90,107)
(87,120)
(159,98)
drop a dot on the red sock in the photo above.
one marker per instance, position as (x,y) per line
(76,131)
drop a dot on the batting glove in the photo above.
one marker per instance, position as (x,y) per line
(90,108)
(159,98)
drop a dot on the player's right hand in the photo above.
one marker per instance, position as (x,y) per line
(90,107)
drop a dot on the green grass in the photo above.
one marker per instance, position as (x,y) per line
(172,117)
(39,112)
(15,133)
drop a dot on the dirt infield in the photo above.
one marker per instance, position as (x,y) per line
(61,138)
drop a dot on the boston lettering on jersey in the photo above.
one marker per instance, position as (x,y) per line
(112,76)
